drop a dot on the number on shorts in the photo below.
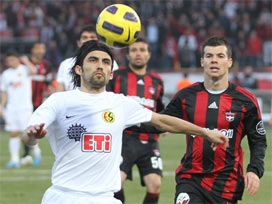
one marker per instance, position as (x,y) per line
(156,163)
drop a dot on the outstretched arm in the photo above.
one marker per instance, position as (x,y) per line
(32,133)
(175,125)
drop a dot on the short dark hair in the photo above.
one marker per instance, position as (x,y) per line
(88,28)
(12,53)
(216,41)
(82,52)
(140,39)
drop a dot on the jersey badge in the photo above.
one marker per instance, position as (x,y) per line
(108,117)
(75,131)
(260,128)
(230,116)
(96,142)
(152,90)
(183,198)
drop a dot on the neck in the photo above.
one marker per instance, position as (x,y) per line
(35,60)
(92,90)
(141,71)
(216,84)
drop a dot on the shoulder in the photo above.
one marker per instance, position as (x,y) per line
(155,75)
(68,62)
(245,94)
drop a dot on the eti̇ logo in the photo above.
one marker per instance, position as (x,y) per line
(96,142)
(183,198)
(108,117)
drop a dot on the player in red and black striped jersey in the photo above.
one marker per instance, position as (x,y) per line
(204,175)
(140,144)
(39,87)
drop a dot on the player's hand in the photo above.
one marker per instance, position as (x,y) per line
(217,137)
(164,134)
(24,59)
(36,131)
(252,183)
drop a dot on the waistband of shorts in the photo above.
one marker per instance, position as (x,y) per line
(82,193)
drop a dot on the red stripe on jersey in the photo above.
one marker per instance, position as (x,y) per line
(132,84)
(117,85)
(251,97)
(232,181)
(200,120)
(219,153)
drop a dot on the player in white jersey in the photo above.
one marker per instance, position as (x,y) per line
(16,102)
(64,78)
(84,127)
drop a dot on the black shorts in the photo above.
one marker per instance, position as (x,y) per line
(145,155)
(189,192)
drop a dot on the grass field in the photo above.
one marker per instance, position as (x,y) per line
(27,184)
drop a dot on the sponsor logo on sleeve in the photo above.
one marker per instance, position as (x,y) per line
(260,128)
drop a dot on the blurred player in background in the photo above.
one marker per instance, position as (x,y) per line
(40,81)
(85,131)
(64,78)
(140,144)
(207,176)
(16,103)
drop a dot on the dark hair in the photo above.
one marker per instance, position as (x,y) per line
(88,28)
(140,39)
(216,41)
(82,52)
(12,53)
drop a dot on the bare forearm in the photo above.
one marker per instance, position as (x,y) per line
(176,125)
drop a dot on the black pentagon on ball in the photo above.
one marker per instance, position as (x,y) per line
(130,17)
(102,38)
(112,28)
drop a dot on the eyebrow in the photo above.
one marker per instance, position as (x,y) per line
(94,57)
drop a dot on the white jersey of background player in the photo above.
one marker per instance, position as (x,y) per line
(16,101)
(64,78)
(85,131)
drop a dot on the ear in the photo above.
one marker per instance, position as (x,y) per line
(78,69)
(230,62)
(78,43)
(111,75)
(201,62)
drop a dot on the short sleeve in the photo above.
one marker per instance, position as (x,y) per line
(136,113)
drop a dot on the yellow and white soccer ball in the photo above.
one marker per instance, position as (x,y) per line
(118,25)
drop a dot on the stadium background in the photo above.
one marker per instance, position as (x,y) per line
(247,24)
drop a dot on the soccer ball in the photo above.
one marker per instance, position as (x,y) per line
(118,25)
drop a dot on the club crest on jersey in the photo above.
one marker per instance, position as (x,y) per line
(108,117)
(152,90)
(260,128)
(96,142)
(183,198)
(230,116)
(74,132)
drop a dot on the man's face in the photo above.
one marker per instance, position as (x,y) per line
(96,70)
(215,61)
(138,55)
(38,50)
(86,36)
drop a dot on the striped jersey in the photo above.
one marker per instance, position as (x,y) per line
(236,113)
(38,82)
(146,89)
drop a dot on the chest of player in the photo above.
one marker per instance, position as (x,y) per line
(216,111)
(91,130)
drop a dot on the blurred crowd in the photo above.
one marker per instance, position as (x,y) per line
(175,29)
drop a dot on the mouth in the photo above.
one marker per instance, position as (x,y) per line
(214,69)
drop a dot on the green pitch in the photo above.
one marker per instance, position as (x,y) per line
(26,185)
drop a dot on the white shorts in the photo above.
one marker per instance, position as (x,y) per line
(57,195)
(17,120)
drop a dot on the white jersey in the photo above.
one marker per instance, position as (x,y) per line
(17,84)
(85,134)
(64,76)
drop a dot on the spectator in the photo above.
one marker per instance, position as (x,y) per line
(249,81)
